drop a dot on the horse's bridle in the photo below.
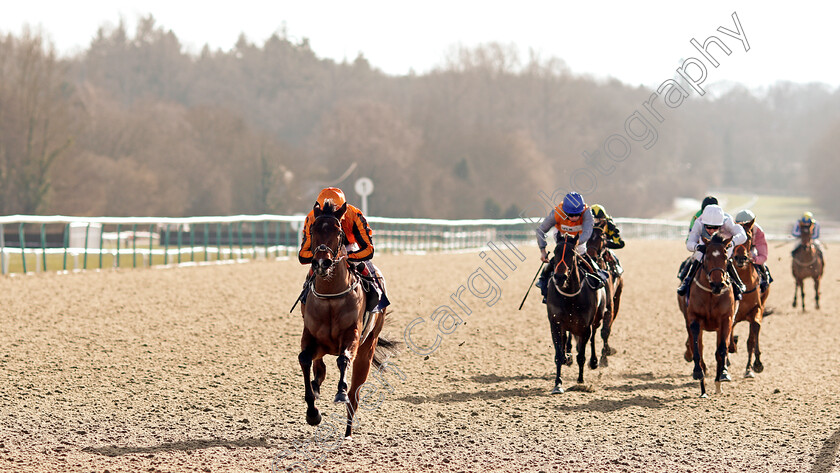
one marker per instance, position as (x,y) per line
(726,279)
(335,255)
(566,243)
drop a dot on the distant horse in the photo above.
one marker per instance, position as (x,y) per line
(597,249)
(572,306)
(334,319)
(807,264)
(709,306)
(753,303)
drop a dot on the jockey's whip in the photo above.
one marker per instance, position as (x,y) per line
(531,285)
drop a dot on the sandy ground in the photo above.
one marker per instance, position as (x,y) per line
(195,369)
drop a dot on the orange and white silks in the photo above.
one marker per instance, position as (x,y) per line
(355,228)
(565,225)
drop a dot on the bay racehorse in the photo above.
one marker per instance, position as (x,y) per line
(573,306)
(709,306)
(334,321)
(807,263)
(753,303)
(596,248)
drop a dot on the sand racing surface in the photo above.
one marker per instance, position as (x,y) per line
(195,369)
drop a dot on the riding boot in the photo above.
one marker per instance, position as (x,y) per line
(590,268)
(542,283)
(692,266)
(683,272)
(763,276)
(616,265)
(737,285)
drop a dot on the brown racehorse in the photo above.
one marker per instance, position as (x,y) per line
(597,249)
(709,306)
(807,264)
(333,319)
(753,303)
(572,305)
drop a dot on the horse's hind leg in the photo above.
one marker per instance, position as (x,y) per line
(593,360)
(361,369)
(802,292)
(319,372)
(313,417)
(795,293)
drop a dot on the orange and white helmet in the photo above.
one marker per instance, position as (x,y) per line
(334,195)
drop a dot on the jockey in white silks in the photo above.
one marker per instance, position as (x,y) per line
(713,219)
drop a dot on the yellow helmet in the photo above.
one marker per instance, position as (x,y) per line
(807,217)
(598,211)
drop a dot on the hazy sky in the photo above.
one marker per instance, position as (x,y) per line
(636,42)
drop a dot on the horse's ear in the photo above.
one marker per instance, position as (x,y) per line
(748,226)
(340,212)
(705,240)
(317,210)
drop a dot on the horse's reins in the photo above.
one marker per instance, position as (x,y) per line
(563,260)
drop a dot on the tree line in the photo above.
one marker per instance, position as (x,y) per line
(135,126)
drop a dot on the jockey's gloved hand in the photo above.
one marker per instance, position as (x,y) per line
(701,248)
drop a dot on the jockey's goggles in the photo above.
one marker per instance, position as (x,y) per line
(712,227)
(574,215)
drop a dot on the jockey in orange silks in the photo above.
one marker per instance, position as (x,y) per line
(359,246)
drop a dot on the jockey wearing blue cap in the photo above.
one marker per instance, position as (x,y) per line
(573,218)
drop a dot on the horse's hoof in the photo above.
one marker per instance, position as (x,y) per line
(704,396)
(569,360)
(604,362)
(749,374)
(758,367)
(725,376)
(558,390)
(341,398)
(593,363)
(717,387)
(698,374)
(313,417)
(687,356)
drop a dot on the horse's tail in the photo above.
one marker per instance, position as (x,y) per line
(385,348)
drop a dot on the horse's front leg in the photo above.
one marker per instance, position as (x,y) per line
(752,347)
(816,292)
(606,329)
(722,374)
(558,337)
(802,293)
(319,372)
(343,362)
(313,417)
(581,356)
(694,332)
